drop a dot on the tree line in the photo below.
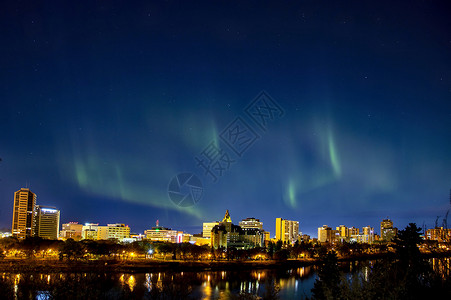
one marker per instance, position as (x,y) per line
(36,247)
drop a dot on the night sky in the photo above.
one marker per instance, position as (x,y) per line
(103,103)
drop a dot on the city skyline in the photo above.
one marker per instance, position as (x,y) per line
(105,107)
(285,230)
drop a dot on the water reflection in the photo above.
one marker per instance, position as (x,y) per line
(180,285)
(441,266)
(288,284)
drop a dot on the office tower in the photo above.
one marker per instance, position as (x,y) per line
(286,230)
(23,213)
(47,222)
(251,223)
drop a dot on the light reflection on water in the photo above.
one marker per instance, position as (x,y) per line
(441,265)
(292,284)
(200,285)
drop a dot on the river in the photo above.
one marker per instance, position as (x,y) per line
(269,283)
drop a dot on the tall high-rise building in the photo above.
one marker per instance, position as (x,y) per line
(286,230)
(23,213)
(47,222)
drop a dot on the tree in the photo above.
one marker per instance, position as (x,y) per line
(271,249)
(9,243)
(327,286)
(279,245)
(31,245)
(71,249)
(281,254)
(410,264)
(184,249)
(406,244)
(164,249)
(344,249)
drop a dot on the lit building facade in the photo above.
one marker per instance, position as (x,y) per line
(113,231)
(350,234)
(267,239)
(200,240)
(251,223)
(286,230)
(207,227)
(326,234)
(161,234)
(47,222)
(353,231)
(342,232)
(89,231)
(71,230)
(368,234)
(253,237)
(226,234)
(219,237)
(23,213)
(439,234)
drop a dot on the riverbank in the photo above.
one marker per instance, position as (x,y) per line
(141,266)
(153,265)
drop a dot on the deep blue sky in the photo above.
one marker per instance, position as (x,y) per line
(103,103)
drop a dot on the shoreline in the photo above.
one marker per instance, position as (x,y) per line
(141,266)
(148,266)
